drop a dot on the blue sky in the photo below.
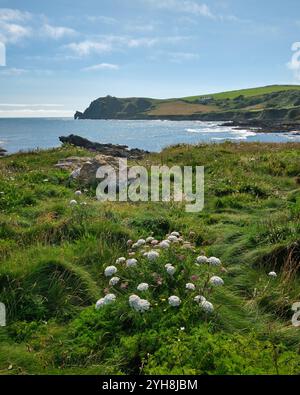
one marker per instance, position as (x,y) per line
(61,54)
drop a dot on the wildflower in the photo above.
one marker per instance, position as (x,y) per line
(131,253)
(272,274)
(164,244)
(99,303)
(173,239)
(190,287)
(154,242)
(194,277)
(214,261)
(131,262)
(182,328)
(73,202)
(110,298)
(152,255)
(202,259)
(110,271)
(216,281)
(140,242)
(143,287)
(199,299)
(176,234)
(170,269)
(129,243)
(149,239)
(114,281)
(78,193)
(135,246)
(142,305)
(174,301)
(139,304)
(120,260)
(133,299)
(207,306)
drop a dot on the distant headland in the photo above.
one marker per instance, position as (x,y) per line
(276,103)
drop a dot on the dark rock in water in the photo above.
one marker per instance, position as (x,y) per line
(265,126)
(2,151)
(120,151)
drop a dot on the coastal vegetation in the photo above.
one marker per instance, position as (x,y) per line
(56,262)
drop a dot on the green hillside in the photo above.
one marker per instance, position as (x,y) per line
(264,90)
(269,103)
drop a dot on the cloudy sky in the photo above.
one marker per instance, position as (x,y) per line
(61,54)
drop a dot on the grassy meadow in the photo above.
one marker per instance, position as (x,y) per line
(53,256)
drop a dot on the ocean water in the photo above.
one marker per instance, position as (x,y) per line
(30,133)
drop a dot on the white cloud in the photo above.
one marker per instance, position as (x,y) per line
(13,71)
(111,43)
(179,57)
(57,32)
(100,18)
(183,6)
(142,42)
(86,47)
(102,66)
(9,15)
(294,63)
(11,32)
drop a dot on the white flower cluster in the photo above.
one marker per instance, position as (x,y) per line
(143,287)
(138,304)
(190,287)
(204,304)
(110,271)
(109,298)
(114,281)
(152,255)
(121,260)
(170,269)
(216,281)
(131,262)
(174,301)
(213,261)
(149,248)
(272,274)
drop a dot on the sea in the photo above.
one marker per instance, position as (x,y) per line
(26,134)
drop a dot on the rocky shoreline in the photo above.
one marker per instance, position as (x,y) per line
(266,126)
(114,150)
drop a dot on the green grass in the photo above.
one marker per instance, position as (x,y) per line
(246,92)
(52,258)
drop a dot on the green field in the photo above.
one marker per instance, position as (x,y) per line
(246,92)
(53,256)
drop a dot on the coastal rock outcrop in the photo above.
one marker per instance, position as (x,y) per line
(2,151)
(84,169)
(119,151)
